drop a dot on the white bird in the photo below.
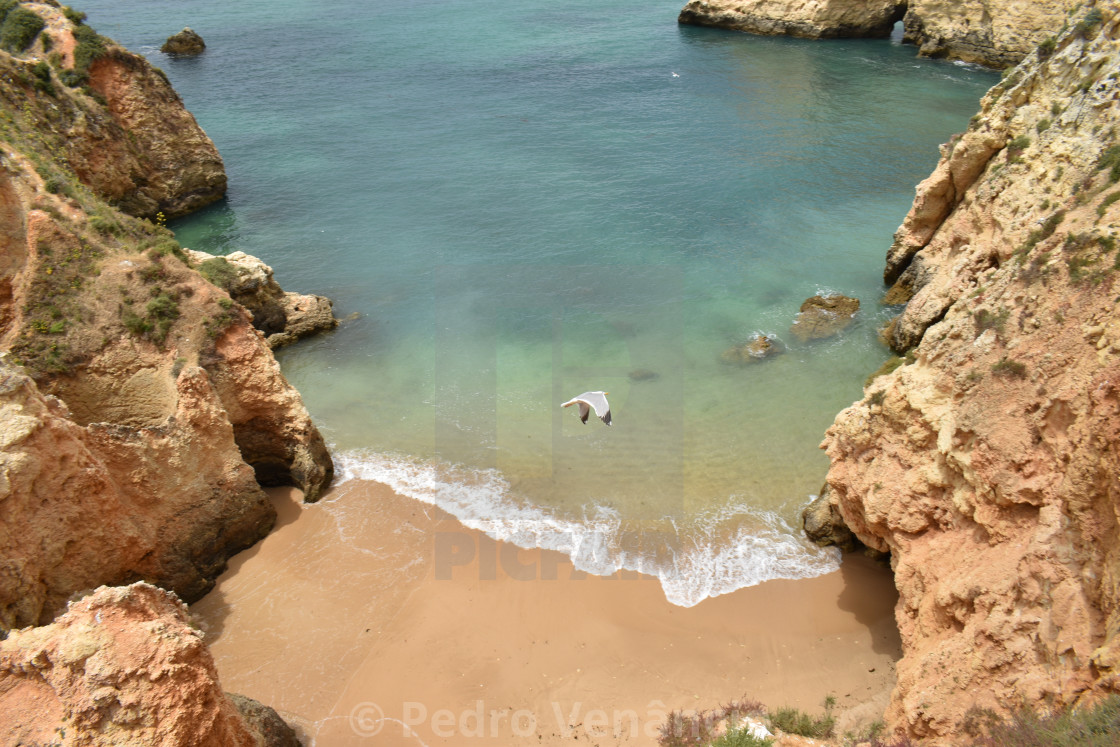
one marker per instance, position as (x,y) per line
(675,75)
(589,400)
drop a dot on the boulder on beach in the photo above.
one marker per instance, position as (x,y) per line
(824,316)
(758,348)
(186,42)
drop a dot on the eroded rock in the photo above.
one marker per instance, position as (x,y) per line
(824,525)
(805,18)
(998,34)
(283,317)
(122,667)
(186,43)
(824,316)
(986,463)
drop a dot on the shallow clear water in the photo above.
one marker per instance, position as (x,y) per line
(521,203)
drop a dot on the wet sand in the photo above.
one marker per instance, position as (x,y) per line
(378,620)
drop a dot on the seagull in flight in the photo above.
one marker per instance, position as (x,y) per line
(592,400)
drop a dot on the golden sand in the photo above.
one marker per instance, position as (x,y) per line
(374,619)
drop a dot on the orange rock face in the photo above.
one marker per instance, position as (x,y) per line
(136,145)
(139,409)
(181,168)
(121,667)
(987,463)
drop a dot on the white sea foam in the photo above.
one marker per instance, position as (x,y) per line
(718,553)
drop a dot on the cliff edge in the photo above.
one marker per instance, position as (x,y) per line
(140,410)
(986,462)
(996,33)
(124,667)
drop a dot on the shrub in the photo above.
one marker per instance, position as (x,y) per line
(683,730)
(19,29)
(1042,126)
(741,738)
(1047,47)
(135,323)
(90,46)
(1110,159)
(986,319)
(75,17)
(43,81)
(101,224)
(73,78)
(162,313)
(218,271)
(1008,367)
(795,721)
(1089,23)
(1079,269)
(1096,726)
(166,247)
(1020,143)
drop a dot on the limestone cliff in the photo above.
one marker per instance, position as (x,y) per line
(996,33)
(282,316)
(987,462)
(812,19)
(107,116)
(140,411)
(124,667)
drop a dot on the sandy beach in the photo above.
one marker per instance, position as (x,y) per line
(373,619)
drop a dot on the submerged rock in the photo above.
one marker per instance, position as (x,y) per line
(824,316)
(754,350)
(186,42)
(643,374)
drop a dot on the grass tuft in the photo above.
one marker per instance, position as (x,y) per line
(795,721)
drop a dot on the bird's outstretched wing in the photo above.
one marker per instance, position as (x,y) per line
(592,401)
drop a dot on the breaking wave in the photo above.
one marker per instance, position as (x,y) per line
(703,556)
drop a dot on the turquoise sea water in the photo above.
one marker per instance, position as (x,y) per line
(518,203)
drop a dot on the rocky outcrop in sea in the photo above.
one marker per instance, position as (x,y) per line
(187,42)
(985,463)
(997,34)
(283,317)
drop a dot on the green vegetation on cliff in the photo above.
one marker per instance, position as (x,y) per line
(18,26)
(67,160)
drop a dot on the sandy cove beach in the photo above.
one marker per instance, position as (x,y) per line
(375,619)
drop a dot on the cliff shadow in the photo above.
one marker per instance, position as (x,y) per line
(210,612)
(870,595)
